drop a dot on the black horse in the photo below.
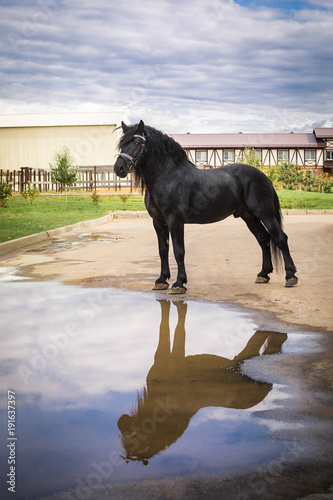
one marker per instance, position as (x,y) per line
(178,193)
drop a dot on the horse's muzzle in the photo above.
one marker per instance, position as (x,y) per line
(120,167)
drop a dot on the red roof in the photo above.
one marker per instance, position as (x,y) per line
(206,141)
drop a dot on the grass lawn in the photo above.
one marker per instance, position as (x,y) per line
(303,200)
(20,218)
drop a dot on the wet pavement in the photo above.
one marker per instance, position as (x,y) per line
(126,394)
(117,387)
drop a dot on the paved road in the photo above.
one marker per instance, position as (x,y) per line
(222,260)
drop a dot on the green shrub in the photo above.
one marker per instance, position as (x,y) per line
(96,198)
(272,174)
(124,198)
(325,183)
(5,194)
(289,175)
(30,193)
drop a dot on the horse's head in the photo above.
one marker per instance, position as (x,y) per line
(132,147)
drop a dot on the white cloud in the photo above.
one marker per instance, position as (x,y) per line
(179,64)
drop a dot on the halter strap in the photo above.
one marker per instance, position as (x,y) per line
(134,161)
(140,136)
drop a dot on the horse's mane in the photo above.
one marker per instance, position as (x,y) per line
(159,147)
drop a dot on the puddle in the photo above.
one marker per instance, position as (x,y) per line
(73,241)
(10,273)
(116,386)
(30,260)
(101,237)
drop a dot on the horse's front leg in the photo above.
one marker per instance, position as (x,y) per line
(162,232)
(177,235)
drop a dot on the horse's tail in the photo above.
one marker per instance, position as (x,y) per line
(275,250)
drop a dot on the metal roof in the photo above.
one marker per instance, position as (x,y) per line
(240,140)
(324,133)
(61,119)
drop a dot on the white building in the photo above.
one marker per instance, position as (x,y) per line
(31,140)
(310,151)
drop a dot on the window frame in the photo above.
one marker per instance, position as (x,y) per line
(226,153)
(313,155)
(259,153)
(284,155)
(198,153)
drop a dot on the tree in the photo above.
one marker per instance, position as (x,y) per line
(63,169)
(249,156)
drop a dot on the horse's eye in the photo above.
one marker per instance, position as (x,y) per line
(137,143)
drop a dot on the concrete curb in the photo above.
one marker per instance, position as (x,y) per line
(10,246)
(304,212)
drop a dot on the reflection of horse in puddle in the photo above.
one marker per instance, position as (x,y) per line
(178,386)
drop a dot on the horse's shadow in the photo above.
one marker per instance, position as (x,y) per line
(178,386)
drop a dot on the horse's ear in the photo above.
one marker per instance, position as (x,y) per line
(124,127)
(141,128)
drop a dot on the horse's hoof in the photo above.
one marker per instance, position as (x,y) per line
(291,282)
(161,286)
(261,279)
(177,290)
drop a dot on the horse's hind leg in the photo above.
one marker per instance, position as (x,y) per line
(162,232)
(263,238)
(280,239)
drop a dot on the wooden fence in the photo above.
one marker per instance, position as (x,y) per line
(89,179)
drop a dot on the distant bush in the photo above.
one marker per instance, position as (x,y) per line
(292,177)
(30,193)
(289,175)
(325,183)
(5,194)
(96,198)
(124,198)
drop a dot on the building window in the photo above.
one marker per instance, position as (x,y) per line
(258,153)
(329,155)
(228,155)
(310,155)
(201,156)
(283,155)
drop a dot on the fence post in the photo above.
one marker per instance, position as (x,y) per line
(25,172)
(95,173)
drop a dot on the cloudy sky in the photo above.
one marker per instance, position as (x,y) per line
(180,65)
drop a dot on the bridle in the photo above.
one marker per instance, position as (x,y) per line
(132,162)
